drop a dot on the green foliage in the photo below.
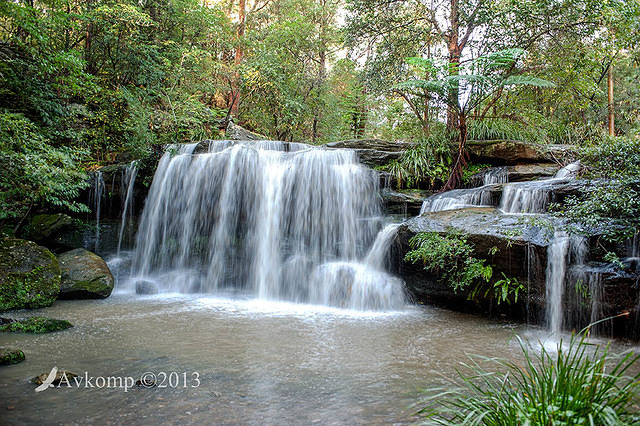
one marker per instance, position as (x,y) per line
(492,129)
(578,383)
(449,255)
(33,173)
(505,289)
(36,325)
(470,170)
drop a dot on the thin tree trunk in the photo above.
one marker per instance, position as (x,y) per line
(239,56)
(612,127)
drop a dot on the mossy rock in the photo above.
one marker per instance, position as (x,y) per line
(36,325)
(56,231)
(11,356)
(29,275)
(85,275)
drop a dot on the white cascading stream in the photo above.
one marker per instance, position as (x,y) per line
(269,218)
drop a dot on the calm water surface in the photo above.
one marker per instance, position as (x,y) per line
(257,362)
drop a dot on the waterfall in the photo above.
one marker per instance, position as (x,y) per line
(526,197)
(562,251)
(128,179)
(272,219)
(95,199)
(377,256)
(556,268)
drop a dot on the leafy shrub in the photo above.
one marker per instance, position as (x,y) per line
(452,257)
(611,204)
(33,173)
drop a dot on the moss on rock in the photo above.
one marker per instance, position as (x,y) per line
(36,325)
(11,356)
(29,275)
(85,275)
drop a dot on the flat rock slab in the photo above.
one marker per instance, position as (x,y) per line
(510,152)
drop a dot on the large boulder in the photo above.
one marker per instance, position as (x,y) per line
(372,152)
(29,275)
(84,276)
(56,231)
(509,152)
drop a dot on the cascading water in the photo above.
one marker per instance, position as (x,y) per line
(495,175)
(128,179)
(458,199)
(525,197)
(562,251)
(556,270)
(95,199)
(279,220)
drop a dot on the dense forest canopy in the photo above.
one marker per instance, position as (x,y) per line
(84,81)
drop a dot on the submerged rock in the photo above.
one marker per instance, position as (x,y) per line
(146,287)
(85,275)
(36,325)
(11,356)
(60,376)
(29,275)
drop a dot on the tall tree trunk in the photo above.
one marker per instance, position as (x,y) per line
(612,127)
(455,52)
(239,56)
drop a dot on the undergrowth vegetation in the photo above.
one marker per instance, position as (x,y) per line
(452,258)
(578,383)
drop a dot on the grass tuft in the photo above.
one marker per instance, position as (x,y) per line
(580,384)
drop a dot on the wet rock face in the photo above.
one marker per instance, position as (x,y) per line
(84,276)
(508,152)
(521,253)
(593,289)
(29,275)
(372,152)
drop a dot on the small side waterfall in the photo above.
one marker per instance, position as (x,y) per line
(128,179)
(556,270)
(496,175)
(96,195)
(562,251)
(278,220)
